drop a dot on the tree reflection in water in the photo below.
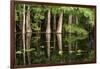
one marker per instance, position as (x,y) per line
(46,48)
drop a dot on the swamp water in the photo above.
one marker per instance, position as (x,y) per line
(53,48)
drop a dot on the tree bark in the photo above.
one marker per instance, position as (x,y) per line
(48,29)
(70,44)
(48,44)
(76,19)
(28,22)
(70,19)
(20,21)
(59,39)
(28,44)
(60,21)
(76,45)
(23,34)
(54,27)
(28,34)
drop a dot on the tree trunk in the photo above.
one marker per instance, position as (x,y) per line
(54,26)
(23,34)
(70,19)
(48,29)
(29,33)
(70,22)
(20,21)
(70,44)
(69,35)
(60,21)
(76,45)
(28,22)
(54,29)
(76,19)
(28,44)
(59,39)
(48,43)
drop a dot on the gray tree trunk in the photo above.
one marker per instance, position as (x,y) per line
(60,21)
(28,44)
(48,29)
(54,26)
(23,34)
(28,22)
(28,34)
(76,19)
(48,37)
(59,39)
(70,19)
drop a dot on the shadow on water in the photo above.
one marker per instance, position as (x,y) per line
(53,48)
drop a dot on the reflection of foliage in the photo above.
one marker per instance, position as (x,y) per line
(56,58)
(60,52)
(38,57)
(72,38)
(91,55)
(26,50)
(72,28)
(79,52)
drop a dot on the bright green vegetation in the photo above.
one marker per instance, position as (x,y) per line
(75,19)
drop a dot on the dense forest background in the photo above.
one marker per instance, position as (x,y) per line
(42,18)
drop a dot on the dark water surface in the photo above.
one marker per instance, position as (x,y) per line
(43,48)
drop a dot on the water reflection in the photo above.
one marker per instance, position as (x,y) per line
(48,37)
(46,48)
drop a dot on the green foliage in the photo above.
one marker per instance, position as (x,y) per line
(38,17)
(56,10)
(89,14)
(26,50)
(18,12)
(72,28)
(86,12)
(75,33)
(38,14)
(35,27)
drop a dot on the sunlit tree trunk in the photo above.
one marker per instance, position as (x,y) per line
(60,21)
(28,22)
(23,29)
(29,33)
(23,34)
(48,37)
(48,29)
